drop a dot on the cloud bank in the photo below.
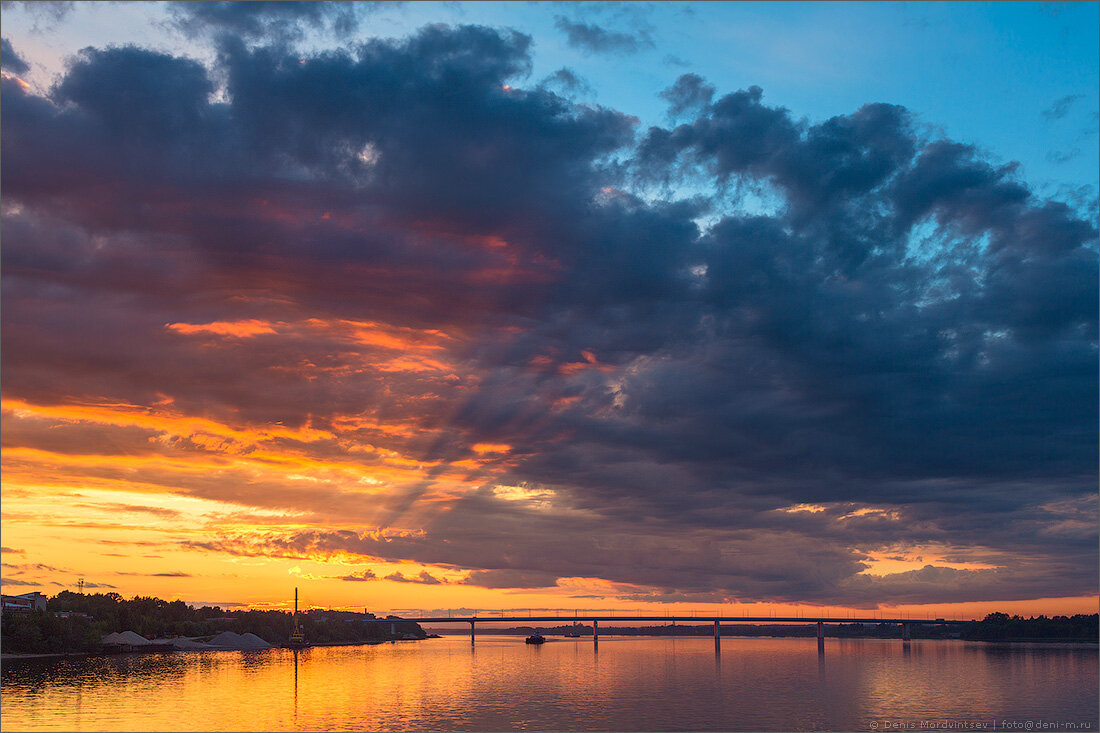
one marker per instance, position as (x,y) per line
(502,332)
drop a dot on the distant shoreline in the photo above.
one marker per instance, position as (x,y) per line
(11,657)
(8,657)
(106,622)
(93,623)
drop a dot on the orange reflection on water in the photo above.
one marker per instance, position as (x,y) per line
(500,683)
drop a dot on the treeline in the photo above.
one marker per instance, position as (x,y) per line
(1002,627)
(40,632)
(44,632)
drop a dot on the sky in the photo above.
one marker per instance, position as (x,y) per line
(732,308)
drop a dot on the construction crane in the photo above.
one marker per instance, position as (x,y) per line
(297,637)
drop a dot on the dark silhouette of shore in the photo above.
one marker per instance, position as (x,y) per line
(77,623)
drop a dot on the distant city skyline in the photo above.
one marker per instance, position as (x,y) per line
(788,308)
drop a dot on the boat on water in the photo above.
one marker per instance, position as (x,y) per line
(574,633)
(297,638)
(535,638)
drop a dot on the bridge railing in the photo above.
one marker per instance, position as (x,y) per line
(611,613)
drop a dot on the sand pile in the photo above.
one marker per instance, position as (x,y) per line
(223,641)
(126,637)
(254,642)
(230,640)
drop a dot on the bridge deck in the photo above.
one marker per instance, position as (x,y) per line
(697,619)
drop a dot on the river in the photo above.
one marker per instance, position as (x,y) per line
(627,683)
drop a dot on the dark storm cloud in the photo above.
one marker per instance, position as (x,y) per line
(689,92)
(129,92)
(511,579)
(567,82)
(10,60)
(834,291)
(375,135)
(199,166)
(740,555)
(773,556)
(896,324)
(596,39)
(264,19)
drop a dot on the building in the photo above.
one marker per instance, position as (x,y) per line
(25,602)
(71,614)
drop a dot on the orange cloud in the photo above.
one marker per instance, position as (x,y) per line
(236,329)
(491,447)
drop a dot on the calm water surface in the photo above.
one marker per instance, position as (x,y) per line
(629,683)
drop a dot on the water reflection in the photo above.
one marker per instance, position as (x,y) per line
(295,685)
(717,659)
(504,684)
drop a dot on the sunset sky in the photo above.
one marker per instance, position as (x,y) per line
(736,308)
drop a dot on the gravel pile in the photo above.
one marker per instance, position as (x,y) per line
(126,637)
(230,640)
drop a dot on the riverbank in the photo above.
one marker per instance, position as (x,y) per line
(58,655)
(77,622)
(11,657)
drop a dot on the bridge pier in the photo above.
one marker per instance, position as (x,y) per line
(595,632)
(820,632)
(905,634)
(716,631)
(471,632)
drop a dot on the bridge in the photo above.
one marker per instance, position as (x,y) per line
(905,623)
